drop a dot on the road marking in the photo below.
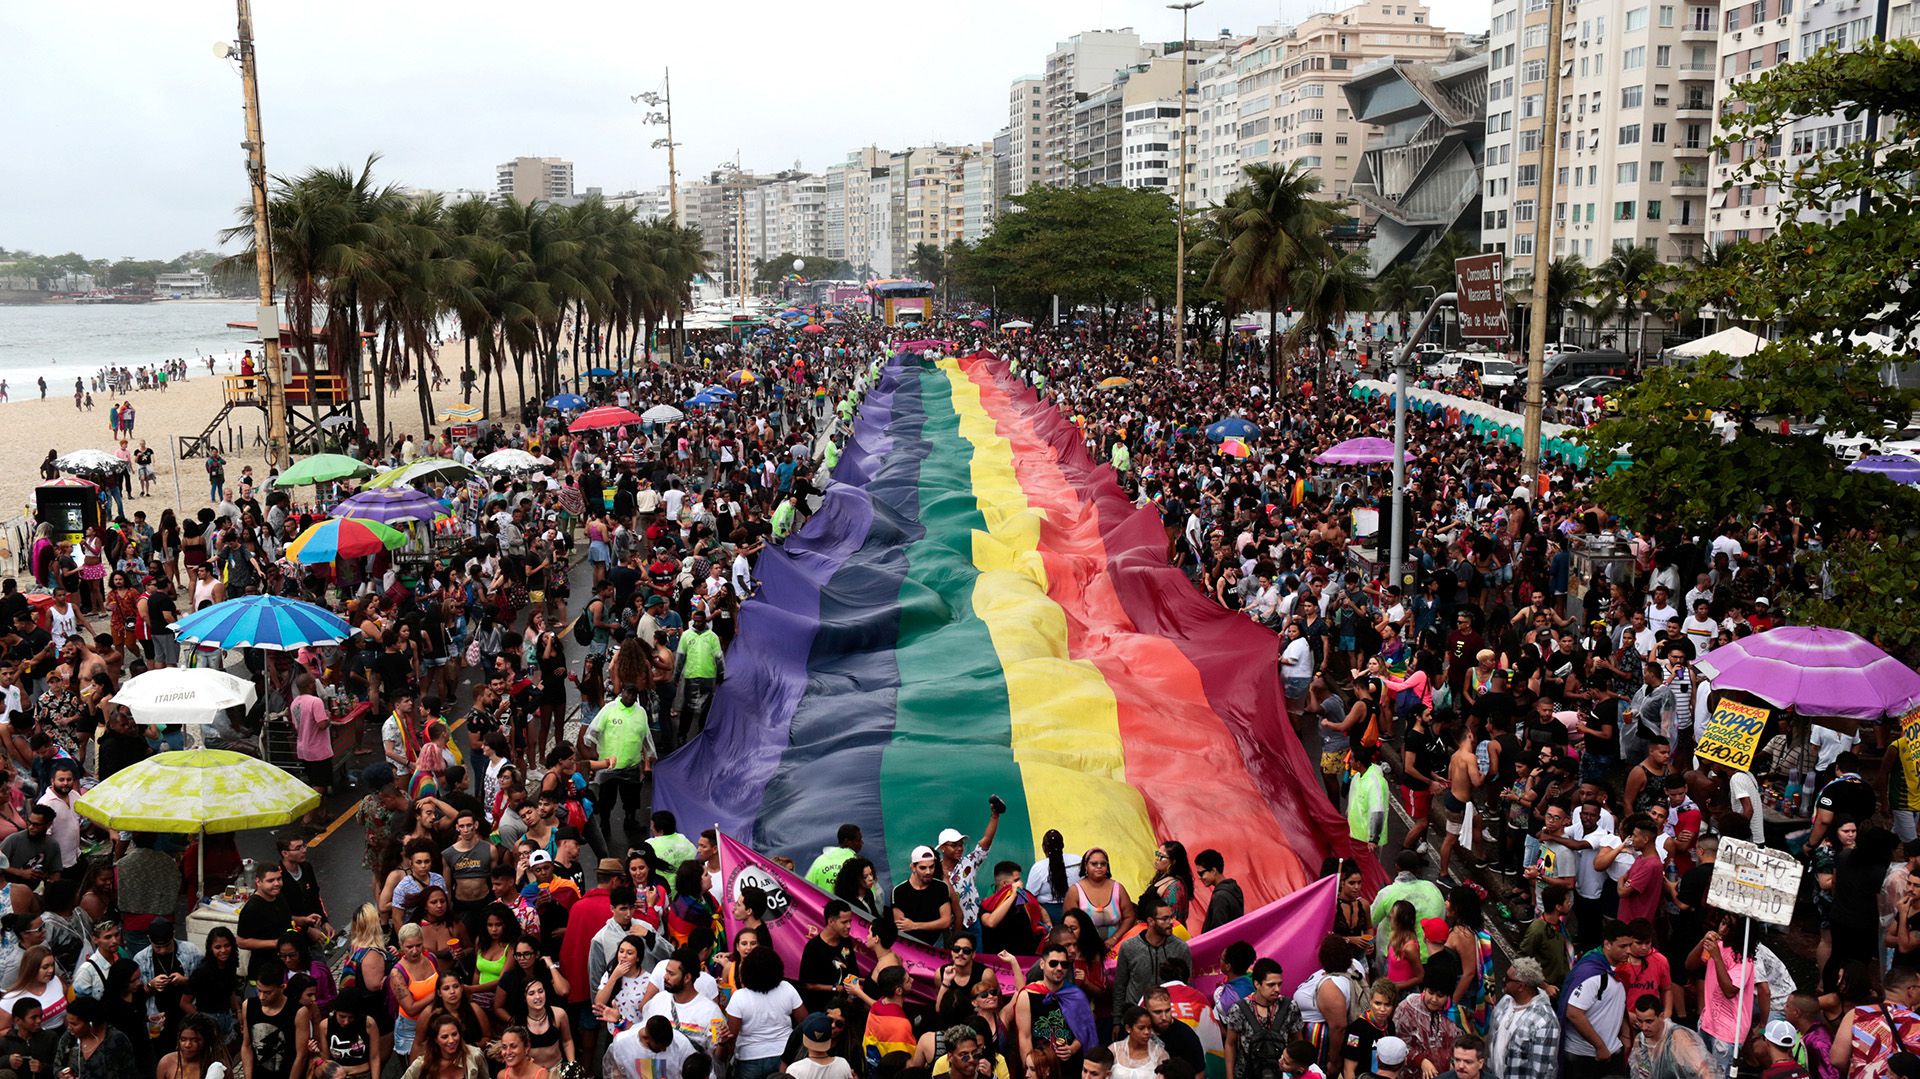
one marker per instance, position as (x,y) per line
(354,809)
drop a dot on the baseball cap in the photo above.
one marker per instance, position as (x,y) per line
(922,853)
(539,857)
(951,835)
(1781,1033)
(1390,1050)
(817,1031)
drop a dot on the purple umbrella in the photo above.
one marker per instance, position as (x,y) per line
(389,504)
(1898,467)
(1814,671)
(1358,451)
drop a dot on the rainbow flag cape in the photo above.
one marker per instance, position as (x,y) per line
(977,609)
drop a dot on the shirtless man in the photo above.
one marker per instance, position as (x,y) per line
(1463,778)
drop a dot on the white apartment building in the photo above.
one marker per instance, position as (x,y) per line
(787,216)
(1290,106)
(655,202)
(1026,119)
(1213,117)
(977,194)
(1078,67)
(533,179)
(1150,122)
(1759,34)
(1634,124)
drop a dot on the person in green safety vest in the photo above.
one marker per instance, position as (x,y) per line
(621,733)
(783,515)
(700,664)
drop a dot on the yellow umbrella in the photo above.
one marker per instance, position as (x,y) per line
(462,413)
(1115,382)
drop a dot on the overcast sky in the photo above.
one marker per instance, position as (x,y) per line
(121,129)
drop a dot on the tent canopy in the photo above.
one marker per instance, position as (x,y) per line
(1734,342)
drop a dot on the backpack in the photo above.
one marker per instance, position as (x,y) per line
(583,627)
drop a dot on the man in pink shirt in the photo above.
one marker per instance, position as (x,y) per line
(313,733)
(1645,883)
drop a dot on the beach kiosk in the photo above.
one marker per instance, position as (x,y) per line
(71,505)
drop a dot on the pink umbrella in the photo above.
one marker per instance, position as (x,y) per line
(813,327)
(977,324)
(1815,671)
(595,419)
(1358,451)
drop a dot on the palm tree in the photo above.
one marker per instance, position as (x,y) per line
(1627,283)
(1327,291)
(1569,281)
(1398,290)
(1272,226)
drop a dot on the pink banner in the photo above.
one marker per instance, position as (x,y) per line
(1288,929)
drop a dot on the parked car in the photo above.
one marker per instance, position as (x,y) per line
(1495,373)
(1595,386)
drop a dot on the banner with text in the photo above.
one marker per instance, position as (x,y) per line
(1733,734)
(1910,748)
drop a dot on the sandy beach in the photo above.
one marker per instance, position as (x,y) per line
(32,427)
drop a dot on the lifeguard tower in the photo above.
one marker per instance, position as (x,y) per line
(318,397)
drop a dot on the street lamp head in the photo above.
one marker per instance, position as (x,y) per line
(655,118)
(650,97)
(659,144)
(224,51)
(1188,6)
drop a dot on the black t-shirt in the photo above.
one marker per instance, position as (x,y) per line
(1359,1046)
(121,750)
(1183,1044)
(12,604)
(823,964)
(302,896)
(161,612)
(921,905)
(1848,796)
(1430,752)
(263,919)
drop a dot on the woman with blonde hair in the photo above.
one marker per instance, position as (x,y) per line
(416,979)
(363,977)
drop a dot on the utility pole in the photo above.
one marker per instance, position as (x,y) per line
(1180,201)
(673,174)
(1397,539)
(1542,257)
(268,316)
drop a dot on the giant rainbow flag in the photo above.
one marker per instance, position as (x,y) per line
(977,609)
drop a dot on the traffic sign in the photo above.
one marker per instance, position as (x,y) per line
(1480,292)
(1756,881)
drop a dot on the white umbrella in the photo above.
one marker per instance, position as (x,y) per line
(663,414)
(338,419)
(1016,324)
(89,463)
(511,462)
(183,695)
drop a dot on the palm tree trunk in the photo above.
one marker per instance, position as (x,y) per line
(1276,374)
(486,380)
(420,377)
(519,377)
(380,390)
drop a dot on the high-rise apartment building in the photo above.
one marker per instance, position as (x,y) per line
(1213,116)
(1078,67)
(1290,107)
(1026,120)
(1150,122)
(978,195)
(534,179)
(1634,124)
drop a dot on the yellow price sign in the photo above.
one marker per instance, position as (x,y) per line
(1733,734)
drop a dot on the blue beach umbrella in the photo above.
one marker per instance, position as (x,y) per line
(1233,427)
(702,400)
(567,402)
(271,622)
(601,372)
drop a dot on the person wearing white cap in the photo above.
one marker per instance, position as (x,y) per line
(1780,1050)
(961,867)
(923,907)
(1389,1057)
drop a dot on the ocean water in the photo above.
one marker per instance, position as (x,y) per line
(66,341)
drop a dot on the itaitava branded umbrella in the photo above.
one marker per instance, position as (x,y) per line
(1814,671)
(389,504)
(422,471)
(323,468)
(342,537)
(1358,451)
(663,414)
(90,463)
(511,463)
(271,622)
(183,695)
(595,419)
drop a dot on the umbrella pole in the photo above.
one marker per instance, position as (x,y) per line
(200,872)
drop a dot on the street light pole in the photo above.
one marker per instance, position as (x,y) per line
(268,316)
(1397,557)
(1180,201)
(673,174)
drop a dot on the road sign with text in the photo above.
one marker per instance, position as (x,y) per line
(1480,289)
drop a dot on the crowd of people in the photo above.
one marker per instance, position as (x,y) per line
(526,911)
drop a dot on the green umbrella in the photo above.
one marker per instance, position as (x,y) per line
(425,469)
(323,468)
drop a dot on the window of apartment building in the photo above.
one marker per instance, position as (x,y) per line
(1634,59)
(1630,96)
(1660,94)
(1591,215)
(1560,176)
(1666,15)
(1702,17)
(1533,71)
(1339,140)
(1535,37)
(1531,106)
(1593,175)
(1523,244)
(1530,141)
(1653,209)
(1629,134)
(1696,136)
(1523,210)
(1559,214)
(1757,11)
(1663,56)
(1526,176)
(1627,172)
(1623,211)
(1314,89)
(1656,171)
(1311,161)
(1576,213)
(1781,52)
(1658,134)
(1636,19)
(1579,143)
(1733,19)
